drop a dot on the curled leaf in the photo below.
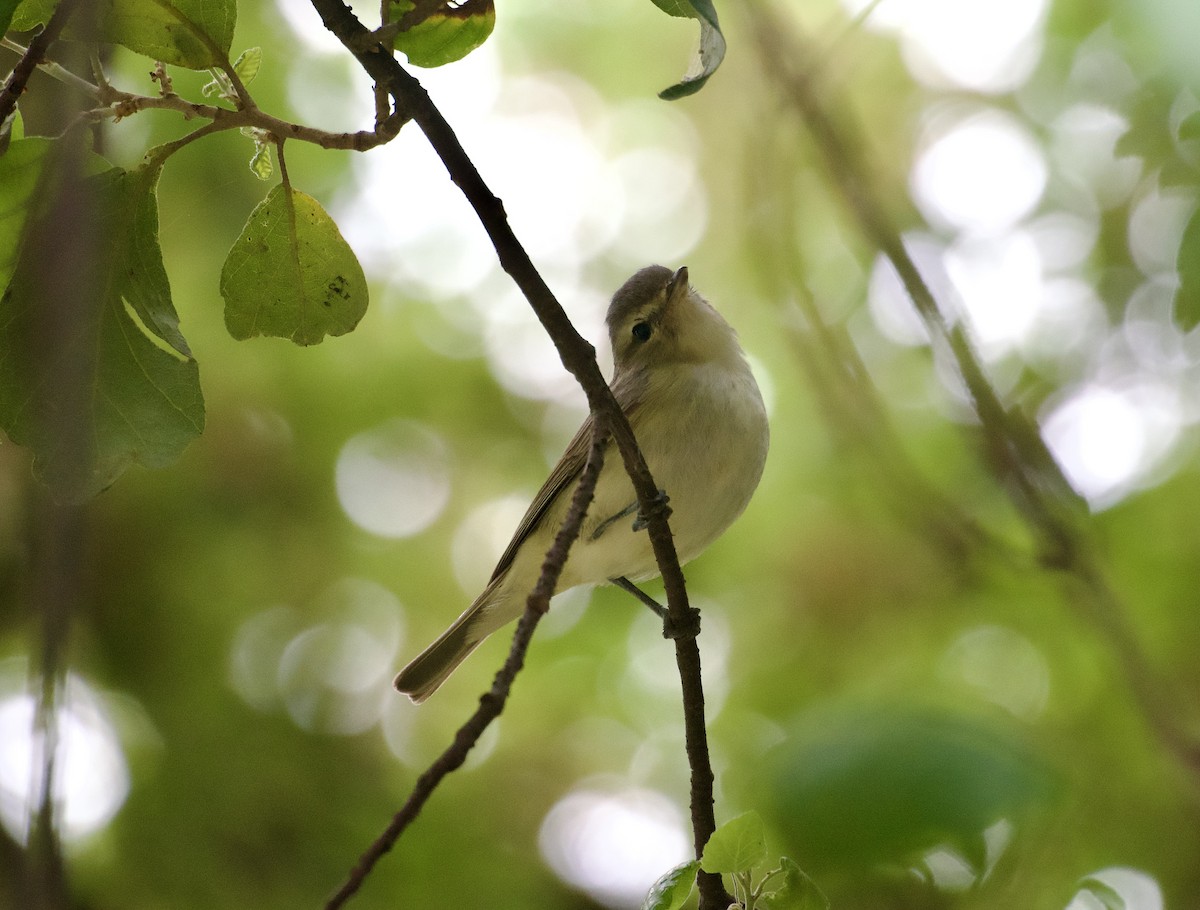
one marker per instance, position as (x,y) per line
(710,49)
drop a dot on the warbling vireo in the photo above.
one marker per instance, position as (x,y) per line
(693,404)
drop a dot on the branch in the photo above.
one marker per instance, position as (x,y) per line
(1017,454)
(579,358)
(14,85)
(492,702)
(119,105)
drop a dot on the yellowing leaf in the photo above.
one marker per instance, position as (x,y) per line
(447,35)
(291,274)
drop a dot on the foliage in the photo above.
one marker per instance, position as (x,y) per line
(931,691)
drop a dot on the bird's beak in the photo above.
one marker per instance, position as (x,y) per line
(678,284)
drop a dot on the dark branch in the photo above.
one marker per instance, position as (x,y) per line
(492,702)
(579,357)
(14,85)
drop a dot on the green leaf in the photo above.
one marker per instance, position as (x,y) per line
(260,163)
(1189,127)
(248,64)
(94,373)
(1149,135)
(12,129)
(858,787)
(710,50)
(29,14)
(737,846)
(445,36)
(195,34)
(797,892)
(20,168)
(7,8)
(291,274)
(671,891)
(1187,298)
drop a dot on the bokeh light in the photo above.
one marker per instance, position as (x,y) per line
(613,842)
(984,45)
(1107,438)
(1001,666)
(91,774)
(1135,889)
(394,480)
(979,171)
(328,675)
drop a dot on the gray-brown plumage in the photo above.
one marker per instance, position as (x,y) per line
(693,404)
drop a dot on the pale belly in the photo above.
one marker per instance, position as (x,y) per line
(707,454)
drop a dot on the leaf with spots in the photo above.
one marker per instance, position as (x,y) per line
(291,274)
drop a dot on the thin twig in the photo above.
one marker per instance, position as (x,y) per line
(579,357)
(118,104)
(491,704)
(15,84)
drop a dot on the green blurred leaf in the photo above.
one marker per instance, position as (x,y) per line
(248,63)
(29,14)
(291,274)
(710,50)
(445,36)
(1147,136)
(12,129)
(195,34)
(797,892)
(858,787)
(7,8)
(115,383)
(736,846)
(20,168)
(1187,298)
(671,891)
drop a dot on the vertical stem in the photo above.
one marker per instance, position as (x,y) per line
(55,587)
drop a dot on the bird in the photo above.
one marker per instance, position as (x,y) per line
(687,390)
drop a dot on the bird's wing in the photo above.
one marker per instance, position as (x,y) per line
(564,474)
(627,389)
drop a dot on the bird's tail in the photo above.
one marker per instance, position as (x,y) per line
(429,669)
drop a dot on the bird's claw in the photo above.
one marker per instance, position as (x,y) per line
(658,507)
(689,628)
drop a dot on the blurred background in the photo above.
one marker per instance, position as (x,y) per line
(927,711)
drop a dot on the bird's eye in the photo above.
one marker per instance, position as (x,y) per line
(641,331)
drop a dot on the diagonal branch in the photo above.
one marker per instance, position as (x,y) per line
(492,702)
(579,358)
(15,84)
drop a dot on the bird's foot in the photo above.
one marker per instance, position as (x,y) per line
(658,507)
(688,628)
